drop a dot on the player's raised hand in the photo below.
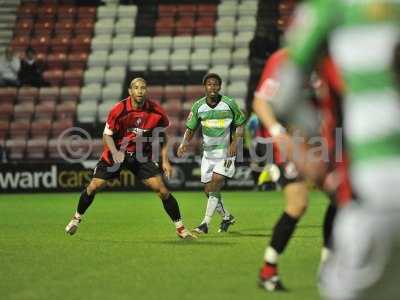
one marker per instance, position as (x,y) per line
(118,157)
(181,150)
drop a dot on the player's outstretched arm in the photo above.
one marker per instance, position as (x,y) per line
(166,165)
(187,137)
(118,156)
(236,137)
(267,117)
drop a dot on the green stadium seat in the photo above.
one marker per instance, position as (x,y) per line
(200,59)
(111,92)
(224,40)
(122,42)
(94,75)
(179,60)
(139,60)
(115,75)
(91,92)
(118,58)
(221,56)
(87,112)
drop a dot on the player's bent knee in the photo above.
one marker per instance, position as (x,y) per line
(296,210)
(297,199)
(95,185)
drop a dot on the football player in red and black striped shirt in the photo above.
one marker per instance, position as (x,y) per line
(131,124)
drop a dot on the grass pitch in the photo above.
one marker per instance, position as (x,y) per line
(126,248)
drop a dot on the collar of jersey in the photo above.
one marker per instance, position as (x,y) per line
(216,104)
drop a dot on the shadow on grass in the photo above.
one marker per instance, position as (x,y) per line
(244,234)
(197,242)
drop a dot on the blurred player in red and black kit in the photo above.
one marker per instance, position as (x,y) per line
(333,176)
(129,123)
(296,196)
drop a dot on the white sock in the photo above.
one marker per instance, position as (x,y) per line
(271,256)
(178,224)
(211,206)
(221,210)
(325,252)
(77,215)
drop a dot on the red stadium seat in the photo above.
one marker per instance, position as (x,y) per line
(185,26)
(8,94)
(60,126)
(49,94)
(60,44)
(173,128)
(56,61)
(7,110)
(66,12)
(77,60)
(45,111)
(27,10)
(40,43)
(70,93)
(24,111)
(19,129)
(54,77)
(173,92)
(173,107)
(87,12)
(193,92)
(4,125)
(16,148)
(206,10)
(165,26)
(73,77)
(40,128)
(42,25)
(64,26)
(41,57)
(66,110)
(187,10)
(156,93)
(36,148)
(84,26)
(47,11)
(205,25)
(23,26)
(47,33)
(20,43)
(81,43)
(167,10)
(27,94)
(186,110)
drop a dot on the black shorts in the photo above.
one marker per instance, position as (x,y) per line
(142,170)
(287,174)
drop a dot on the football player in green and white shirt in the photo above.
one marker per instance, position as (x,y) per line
(222,124)
(362,37)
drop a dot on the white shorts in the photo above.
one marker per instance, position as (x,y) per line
(222,166)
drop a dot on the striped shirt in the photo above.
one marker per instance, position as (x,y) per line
(217,124)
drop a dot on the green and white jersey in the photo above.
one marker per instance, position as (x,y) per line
(217,124)
(362,36)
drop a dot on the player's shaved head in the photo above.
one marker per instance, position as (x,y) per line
(137,79)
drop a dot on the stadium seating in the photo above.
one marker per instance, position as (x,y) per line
(87,51)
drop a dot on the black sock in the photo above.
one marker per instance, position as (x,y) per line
(283,230)
(328,225)
(172,208)
(84,202)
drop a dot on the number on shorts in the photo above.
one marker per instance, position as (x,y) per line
(227,163)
